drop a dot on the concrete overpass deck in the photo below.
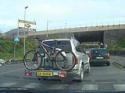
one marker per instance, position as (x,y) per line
(81,29)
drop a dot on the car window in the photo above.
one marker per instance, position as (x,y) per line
(65,45)
(99,51)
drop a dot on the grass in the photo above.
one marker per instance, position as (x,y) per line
(118,46)
(7,48)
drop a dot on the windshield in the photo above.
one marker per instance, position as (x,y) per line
(87,39)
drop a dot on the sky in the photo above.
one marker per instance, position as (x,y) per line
(61,13)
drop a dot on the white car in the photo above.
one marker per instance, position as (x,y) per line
(77,73)
(2,62)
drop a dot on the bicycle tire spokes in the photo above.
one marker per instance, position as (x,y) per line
(32,60)
(65,62)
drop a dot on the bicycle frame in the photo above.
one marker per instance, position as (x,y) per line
(43,45)
(54,51)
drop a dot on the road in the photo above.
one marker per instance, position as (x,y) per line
(101,78)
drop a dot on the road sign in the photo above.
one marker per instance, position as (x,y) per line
(16,39)
(27,24)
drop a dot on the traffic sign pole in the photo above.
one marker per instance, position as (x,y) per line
(16,40)
(14,50)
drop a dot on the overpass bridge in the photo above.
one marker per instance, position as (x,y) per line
(102,33)
(81,29)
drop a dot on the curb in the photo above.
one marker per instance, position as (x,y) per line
(121,65)
(13,62)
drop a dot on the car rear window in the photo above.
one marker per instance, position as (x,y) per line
(99,51)
(65,45)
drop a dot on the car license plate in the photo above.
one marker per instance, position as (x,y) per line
(99,57)
(44,73)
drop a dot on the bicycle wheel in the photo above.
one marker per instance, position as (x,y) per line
(65,60)
(32,60)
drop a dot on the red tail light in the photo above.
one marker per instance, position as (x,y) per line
(74,59)
(109,55)
(90,56)
(28,73)
(62,74)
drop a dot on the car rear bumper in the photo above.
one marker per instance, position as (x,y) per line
(95,61)
(72,75)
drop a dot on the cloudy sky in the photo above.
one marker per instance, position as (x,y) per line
(61,13)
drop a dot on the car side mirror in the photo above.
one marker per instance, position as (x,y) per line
(84,51)
(78,49)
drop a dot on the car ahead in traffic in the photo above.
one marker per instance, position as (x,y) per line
(99,56)
(2,62)
(49,70)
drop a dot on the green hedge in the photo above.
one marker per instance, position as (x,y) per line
(7,48)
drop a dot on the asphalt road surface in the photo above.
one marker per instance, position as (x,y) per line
(101,78)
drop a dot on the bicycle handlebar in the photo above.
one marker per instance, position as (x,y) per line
(45,45)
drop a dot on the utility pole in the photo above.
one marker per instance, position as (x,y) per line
(18,29)
(65,27)
(24,27)
(47,28)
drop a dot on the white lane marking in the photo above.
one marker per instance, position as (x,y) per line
(31,85)
(90,87)
(7,84)
(119,87)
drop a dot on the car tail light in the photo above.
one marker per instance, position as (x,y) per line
(90,56)
(75,59)
(28,73)
(62,74)
(109,55)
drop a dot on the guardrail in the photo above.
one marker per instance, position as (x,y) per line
(13,61)
(119,65)
(119,53)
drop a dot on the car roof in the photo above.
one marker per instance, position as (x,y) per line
(99,49)
(57,39)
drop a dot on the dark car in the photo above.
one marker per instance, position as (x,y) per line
(99,56)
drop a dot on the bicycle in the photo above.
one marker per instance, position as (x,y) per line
(64,60)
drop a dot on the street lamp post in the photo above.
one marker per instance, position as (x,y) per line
(47,28)
(24,28)
(65,27)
